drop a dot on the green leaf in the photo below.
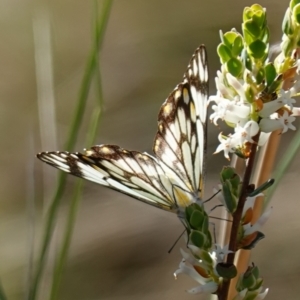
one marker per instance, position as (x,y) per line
(259,17)
(296,13)
(293,3)
(227,173)
(286,23)
(229,198)
(237,46)
(247,14)
(234,67)
(276,84)
(248,38)
(270,73)
(229,38)
(190,209)
(250,94)
(248,280)
(205,225)
(257,49)
(259,237)
(266,36)
(208,243)
(262,187)
(196,220)
(197,238)
(260,76)
(226,270)
(224,53)
(252,29)
(287,45)
(206,258)
(255,272)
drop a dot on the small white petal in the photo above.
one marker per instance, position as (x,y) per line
(269,125)
(209,287)
(262,295)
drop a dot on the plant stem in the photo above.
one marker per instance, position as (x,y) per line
(83,94)
(237,216)
(99,24)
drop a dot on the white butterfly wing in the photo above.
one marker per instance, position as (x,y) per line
(179,146)
(130,172)
(180,143)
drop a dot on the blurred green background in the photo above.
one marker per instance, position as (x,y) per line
(119,247)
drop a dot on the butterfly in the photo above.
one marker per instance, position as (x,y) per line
(174,177)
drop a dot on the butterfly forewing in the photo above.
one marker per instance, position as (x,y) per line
(180,142)
(130,172)
(174,177)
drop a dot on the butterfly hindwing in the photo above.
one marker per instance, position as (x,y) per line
(172,179)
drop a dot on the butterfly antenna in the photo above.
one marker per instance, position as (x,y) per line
(176,241)
(212,196)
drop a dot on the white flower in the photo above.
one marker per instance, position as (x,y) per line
(268,125)
(250,201)
(285,97)
(286,121)
(237,86)
(220,253)
(207,285)
(208,288)
(255,295)
(245,134)
(228,145)
(270,108)
(249,229)
(229,110)
(283,122)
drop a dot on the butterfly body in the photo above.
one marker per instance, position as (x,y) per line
(172,179)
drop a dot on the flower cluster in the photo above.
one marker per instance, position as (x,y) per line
(254,96)
(204,261)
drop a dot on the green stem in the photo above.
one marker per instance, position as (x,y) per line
(2,294)
(100,27)
(83,94)
(94,125)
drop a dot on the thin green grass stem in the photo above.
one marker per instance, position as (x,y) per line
(2,294)
(283,164)
(92,132)
(91,66)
